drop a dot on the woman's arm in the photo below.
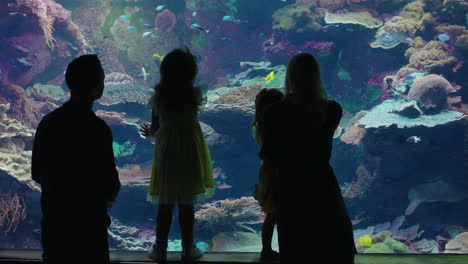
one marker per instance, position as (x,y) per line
(154,123)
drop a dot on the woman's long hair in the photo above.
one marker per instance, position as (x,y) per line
(175,90)
(304,85)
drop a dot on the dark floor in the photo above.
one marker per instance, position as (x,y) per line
(33,256)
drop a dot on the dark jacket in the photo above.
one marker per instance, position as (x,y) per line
(73,161)
(312,217)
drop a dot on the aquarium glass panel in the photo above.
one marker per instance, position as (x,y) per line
(397,67)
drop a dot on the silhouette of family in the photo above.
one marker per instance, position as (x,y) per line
(73,161)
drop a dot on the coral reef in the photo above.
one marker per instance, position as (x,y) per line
(459,245)
(12,127)
(322,47)
(354,133)
(239,95)
(165,21)
(390,246)
(139,50)
(31,55)
(362,18)
(298,18)
(135,175)
(426,57)
(91,22)
(50,14)
(240,242)
(123,150)
(229,215)
(22,108)
(386,114)
(431,93)
(438,191)
(397,29)
(12,212)
(112,118)
(47,93)
(121,88)
(360,187)
(458,34)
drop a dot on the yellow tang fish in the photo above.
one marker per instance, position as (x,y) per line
(158,56)
(365,241)
(270,77)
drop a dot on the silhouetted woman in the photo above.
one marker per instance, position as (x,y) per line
(313,221)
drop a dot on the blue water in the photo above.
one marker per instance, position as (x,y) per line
(381,72)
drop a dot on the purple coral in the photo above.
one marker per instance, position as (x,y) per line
(322,47)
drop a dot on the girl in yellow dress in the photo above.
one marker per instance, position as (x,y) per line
(263,190)
(181,173)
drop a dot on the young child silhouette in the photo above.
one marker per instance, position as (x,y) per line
(181,173)
(263,190)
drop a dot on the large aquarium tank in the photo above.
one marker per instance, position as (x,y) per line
(397,67)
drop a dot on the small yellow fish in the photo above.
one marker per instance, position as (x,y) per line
(158,56)
(365,241)
(270,77)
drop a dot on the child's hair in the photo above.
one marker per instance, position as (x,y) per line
(264,99)
(175,90)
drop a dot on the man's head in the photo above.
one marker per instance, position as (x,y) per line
(85,77)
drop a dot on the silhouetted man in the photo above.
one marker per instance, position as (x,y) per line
(74,163)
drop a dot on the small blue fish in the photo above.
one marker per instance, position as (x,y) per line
(148,25)
(125,17)
(443,37)
(153,36)
(147,34)
(160,7)
(409,40)
(225,38)
(228,18)
(194,13)
(131,28)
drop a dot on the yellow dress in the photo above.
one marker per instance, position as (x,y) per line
(182,168)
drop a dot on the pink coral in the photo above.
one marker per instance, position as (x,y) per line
(240,95)
(323,47)
(50,14)
(32,57)
(12,212)
(165,21)
(229,215)
(112,118)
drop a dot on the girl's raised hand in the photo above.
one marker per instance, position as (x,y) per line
(145,129)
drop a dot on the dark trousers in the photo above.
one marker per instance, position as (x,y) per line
(75,242)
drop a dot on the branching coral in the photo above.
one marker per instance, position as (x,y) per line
(12,212)
(432,55)
(299,18)
(458,34)
(229,215)
(50,13)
